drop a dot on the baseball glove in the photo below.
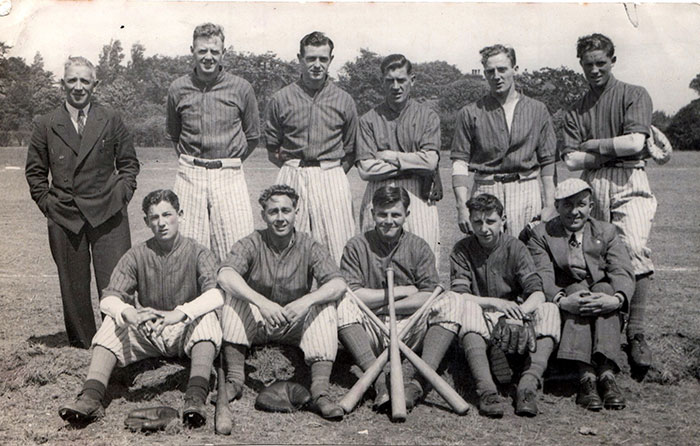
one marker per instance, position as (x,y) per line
(514,336)
(282,396)
(151,419)
(658,146)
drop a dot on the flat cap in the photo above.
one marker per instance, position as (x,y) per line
(570,187)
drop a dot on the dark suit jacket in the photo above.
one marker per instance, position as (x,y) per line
(607,258)
(92,178)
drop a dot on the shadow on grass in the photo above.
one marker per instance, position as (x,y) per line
(56,340)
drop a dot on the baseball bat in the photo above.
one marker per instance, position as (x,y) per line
(223,417)
(353,396)
(456,402)
(398,399)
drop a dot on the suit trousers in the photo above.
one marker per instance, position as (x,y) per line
(104,245)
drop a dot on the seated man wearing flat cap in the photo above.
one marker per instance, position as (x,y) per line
(585,270)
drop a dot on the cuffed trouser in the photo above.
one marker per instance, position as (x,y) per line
(475,320)
(316,334)
(583,337)
(177,340)
(446,312)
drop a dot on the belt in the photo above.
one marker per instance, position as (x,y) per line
(485,178)
(309,163)
(207,164)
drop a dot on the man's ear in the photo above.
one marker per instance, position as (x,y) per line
(408,213)
(180,213)
(192,49)
(145,220)
(515,68)
(95,83)
(613,60)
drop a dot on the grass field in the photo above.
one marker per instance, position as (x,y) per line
(39,371)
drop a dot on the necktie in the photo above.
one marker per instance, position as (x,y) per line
(572,241)
(81,122)
(577,263)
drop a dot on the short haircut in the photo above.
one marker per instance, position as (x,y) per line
(207,30)
(80,61)
(594,42)
(485,203)
(496,49)
(278,189)
(394,62)
(390,195)
(155,197)
(316,38)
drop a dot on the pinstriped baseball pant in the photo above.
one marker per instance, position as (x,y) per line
(215,202)
(521,201)
(622,196)
(423,221)
(325,204)
(316,334)
(475,320)
(446,312)
(177,340)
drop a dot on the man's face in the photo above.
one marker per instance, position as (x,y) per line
(575,210)
(207,53)
(389,219)
(597,67)
(499,73)
(486,226)
(279,214)
(397,86)
(163,220)
(78,83)
(314,62)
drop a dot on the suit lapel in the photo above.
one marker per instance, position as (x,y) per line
(93,129)
(559,244)
(63,126)
(591,244)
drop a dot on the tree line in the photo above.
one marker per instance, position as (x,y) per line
(138,90)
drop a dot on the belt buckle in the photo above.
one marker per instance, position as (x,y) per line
(506,177)
(213,164)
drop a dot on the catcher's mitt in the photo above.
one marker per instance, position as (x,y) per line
(151,419)
(282,396)
(514,336)
(658,146)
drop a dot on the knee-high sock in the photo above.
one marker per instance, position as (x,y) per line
(538,360)
(202,359)
(233,360)
(437,341)
(475,350)
(355,339)
(101,366)
(638,306)
(320,378)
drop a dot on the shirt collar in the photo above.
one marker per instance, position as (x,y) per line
(200,83)
(161,252)
(611,83)
(267,238)
(305,89)
(579,234)
(73,112)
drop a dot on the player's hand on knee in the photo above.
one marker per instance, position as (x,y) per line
(571,303)
(296,310)
(273,314)
(599,303)
(511,309)
(137,317)
(166,319)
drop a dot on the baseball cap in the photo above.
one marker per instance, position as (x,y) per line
(570,187)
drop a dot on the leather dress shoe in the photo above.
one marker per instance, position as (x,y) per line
(588,395)
(639,351)
(82,410)
(612,396)
(413,393)
(194,413)
(490,405)
(381,401)
(526,402)
(327,408)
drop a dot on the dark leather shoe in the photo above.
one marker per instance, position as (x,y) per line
(81,411)
(381,401)
(194,413)
(526,402)
(612,396)
(588,395)
(639,352)
(413,393)
(327,408)
(490,405)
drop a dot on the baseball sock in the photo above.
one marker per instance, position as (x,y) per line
(355,339)
(320,378)
(233,356)
(435,344)
(538,361)
(475,350)
(101,366)
(202,358)
(638,306)
(197,389)
(94,389)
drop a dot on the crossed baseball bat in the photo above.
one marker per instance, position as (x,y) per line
(353,396)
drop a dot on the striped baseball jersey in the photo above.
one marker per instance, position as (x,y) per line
(163,280)
(482,138)
(415,128)
(367,255)
(507,271)
(284,276)
(212,120)
(312,127)
(620,109)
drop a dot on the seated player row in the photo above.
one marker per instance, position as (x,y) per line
(163,293)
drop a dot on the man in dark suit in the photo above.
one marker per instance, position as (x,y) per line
(586,270)
(93,165)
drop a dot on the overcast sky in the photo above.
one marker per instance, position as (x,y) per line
(661,53)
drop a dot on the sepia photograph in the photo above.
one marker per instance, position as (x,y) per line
(388,223)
